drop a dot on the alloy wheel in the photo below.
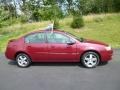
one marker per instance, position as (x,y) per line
(90,59)
(23,60)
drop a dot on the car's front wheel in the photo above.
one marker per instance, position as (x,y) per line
(90,59)
(23,60)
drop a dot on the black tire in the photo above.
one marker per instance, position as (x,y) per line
(89,62)
(103,63)
(21,62)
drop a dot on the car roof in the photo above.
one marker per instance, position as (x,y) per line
(38,31)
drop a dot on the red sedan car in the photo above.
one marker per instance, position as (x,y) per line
(57,46)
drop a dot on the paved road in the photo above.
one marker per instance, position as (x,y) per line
(62,76)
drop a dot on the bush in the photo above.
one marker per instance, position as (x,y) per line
(5,23)
(98,19)
(77,22)
(56,24)
(23,19)
(35,16)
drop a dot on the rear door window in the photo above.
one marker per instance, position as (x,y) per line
(35,38)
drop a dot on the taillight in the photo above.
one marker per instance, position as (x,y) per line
(12,40)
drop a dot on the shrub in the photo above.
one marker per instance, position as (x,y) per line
(77,22)
(5,23)
(23,19)
(56,24)
(35,16)
(98,19)
(0,24)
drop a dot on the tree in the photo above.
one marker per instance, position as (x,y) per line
(116,5)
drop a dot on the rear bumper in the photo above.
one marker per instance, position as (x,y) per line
(9,56)
(10,53)
(106,55)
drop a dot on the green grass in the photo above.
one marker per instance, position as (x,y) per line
(104,27)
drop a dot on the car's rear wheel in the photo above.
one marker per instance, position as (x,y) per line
(23,60)
(90,59)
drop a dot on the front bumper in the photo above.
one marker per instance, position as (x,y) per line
(106,55)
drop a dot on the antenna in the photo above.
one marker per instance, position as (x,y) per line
(50,27)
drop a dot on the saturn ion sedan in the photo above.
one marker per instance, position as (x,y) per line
(57,46)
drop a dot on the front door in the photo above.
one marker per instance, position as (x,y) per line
(59,50)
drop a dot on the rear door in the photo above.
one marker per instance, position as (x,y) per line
(36,46)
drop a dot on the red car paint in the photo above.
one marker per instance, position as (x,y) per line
(56,52)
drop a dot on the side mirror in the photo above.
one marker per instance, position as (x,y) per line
(71,42)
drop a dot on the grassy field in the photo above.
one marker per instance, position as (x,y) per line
(103,27)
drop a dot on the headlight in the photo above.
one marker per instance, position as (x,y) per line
(108,48)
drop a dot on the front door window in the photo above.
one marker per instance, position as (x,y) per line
(57,38)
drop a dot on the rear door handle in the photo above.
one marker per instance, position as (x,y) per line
(52,46)
(29,46)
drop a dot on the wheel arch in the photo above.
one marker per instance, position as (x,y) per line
(21,52)
(90,51)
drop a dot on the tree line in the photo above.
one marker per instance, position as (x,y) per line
(39,10)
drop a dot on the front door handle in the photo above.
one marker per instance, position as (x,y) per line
(68,46)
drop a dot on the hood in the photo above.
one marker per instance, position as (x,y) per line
(95,42)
